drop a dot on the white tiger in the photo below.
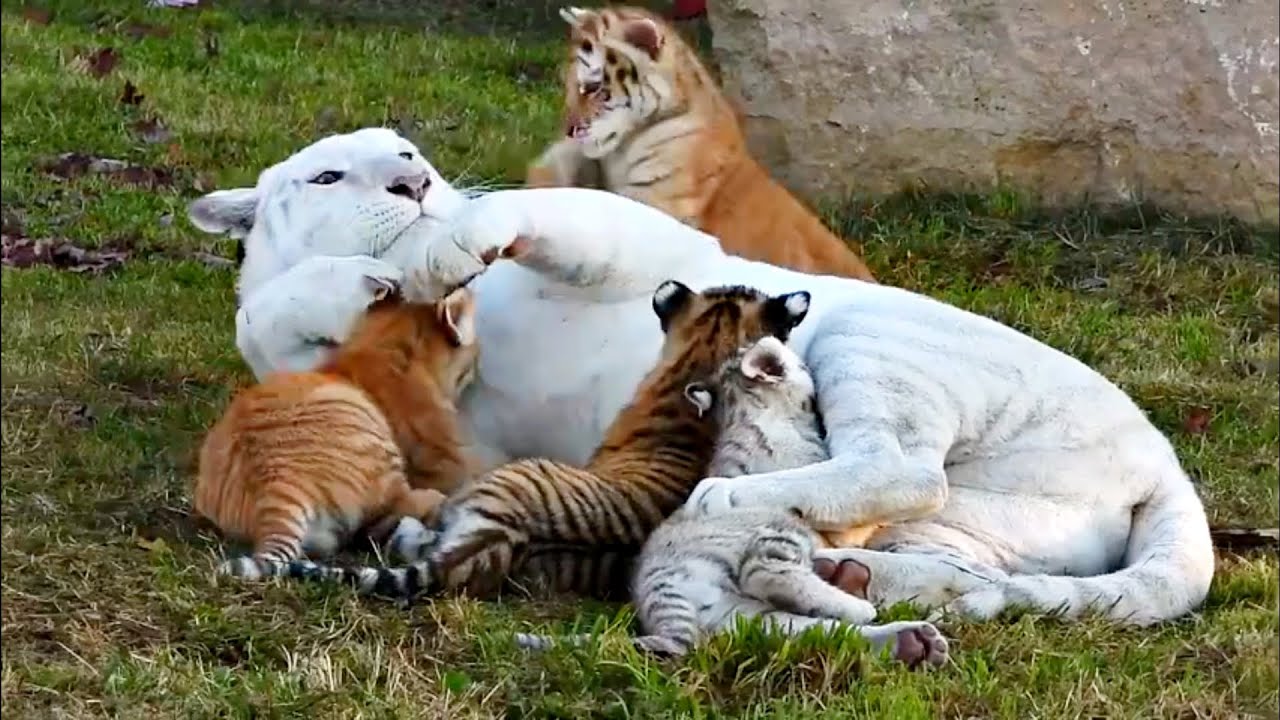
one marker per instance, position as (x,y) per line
(1008,473)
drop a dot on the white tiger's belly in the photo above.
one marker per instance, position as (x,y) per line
(553,373)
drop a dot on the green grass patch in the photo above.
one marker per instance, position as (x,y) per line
(109,604)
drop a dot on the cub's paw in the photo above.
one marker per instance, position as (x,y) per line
(409,541)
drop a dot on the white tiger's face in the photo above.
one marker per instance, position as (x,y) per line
(352,194)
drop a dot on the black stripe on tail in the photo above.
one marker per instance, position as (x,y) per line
(402,583)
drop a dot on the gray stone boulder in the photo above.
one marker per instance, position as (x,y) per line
(1168,101)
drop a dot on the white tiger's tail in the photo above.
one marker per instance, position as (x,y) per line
(1168,567)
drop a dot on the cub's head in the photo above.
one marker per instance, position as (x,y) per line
(351,194)
(627,67)
(704,330)
(764,374)
(398,334)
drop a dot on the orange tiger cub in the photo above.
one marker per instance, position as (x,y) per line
(301,462)
(645,119)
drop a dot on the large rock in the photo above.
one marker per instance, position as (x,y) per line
(1110,100)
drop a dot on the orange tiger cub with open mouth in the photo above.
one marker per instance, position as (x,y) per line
(645,119)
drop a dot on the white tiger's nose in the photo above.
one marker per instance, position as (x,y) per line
(413,187)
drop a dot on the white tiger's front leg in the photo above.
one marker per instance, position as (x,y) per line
(587,239)
(877,483)
(887,434)
(292,321)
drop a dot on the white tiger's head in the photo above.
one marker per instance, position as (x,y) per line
(624,73)
(351,194)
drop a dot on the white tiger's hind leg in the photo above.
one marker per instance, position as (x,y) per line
(884,578)
(797,589)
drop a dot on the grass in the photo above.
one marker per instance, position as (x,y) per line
(109,604)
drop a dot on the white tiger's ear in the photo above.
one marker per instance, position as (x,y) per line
(225,211)
(699,395)
(457,310)
(764,362)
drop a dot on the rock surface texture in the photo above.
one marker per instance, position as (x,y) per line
(1168,101)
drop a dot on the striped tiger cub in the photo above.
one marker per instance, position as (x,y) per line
(302,461)
(655,452)
(699,575)
(645,119)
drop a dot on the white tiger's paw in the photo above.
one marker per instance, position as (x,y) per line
(481,234)
(917,644)
(409,541)
(717,495)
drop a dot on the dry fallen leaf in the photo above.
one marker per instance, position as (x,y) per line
(139,30)
(130,94)
(73,165)
(36,16)
(100,62)
(21,252)
(151,130)
(1196,421)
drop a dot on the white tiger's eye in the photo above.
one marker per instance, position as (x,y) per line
(328,177)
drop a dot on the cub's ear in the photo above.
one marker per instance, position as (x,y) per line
(225,211)
(764,362)
(457,310)
(782,313)
(574,15)
(381,288)
(700,396)
(669,299)
(644,34)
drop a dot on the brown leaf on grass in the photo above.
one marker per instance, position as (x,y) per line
(11,222)
(21,252)
(140,30)
(130,94)
(1245,538)
(98,63)
(1269,305)
(1196,421)
(326,118)
(151,130)
(211,260)
(73,165)
(36,16)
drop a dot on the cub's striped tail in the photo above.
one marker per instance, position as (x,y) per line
(402,583)
(654,644)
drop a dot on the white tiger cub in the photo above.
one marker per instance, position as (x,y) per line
(698,575)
